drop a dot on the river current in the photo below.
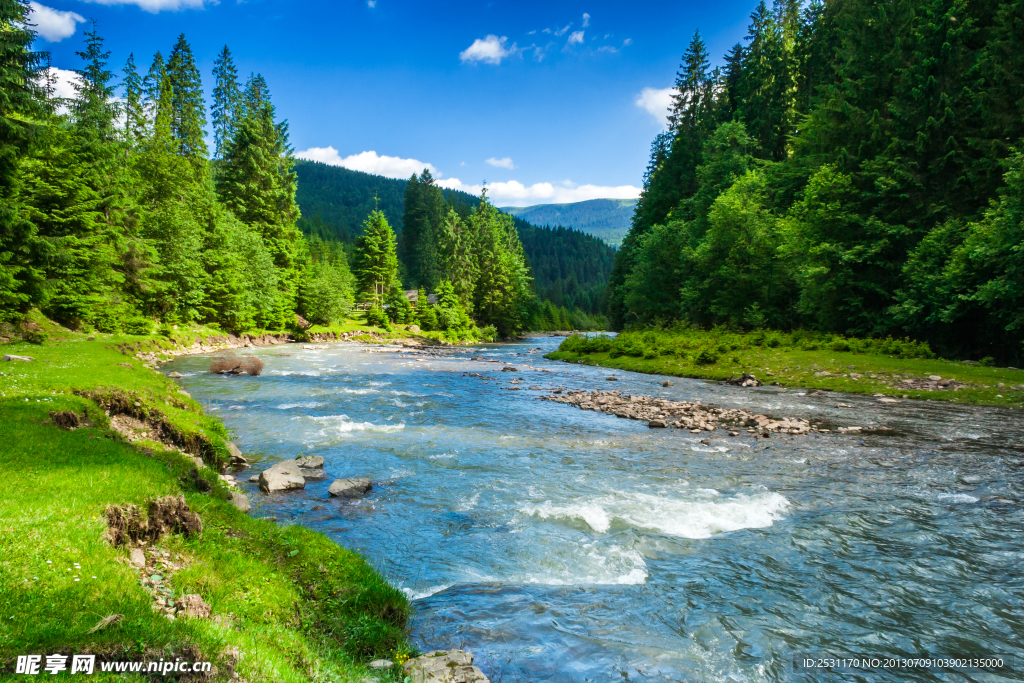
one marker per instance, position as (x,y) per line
(565,545)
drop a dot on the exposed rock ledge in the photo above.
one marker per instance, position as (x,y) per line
(694,416)
(444,666)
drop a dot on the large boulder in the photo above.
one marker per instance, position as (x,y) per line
(284,476)
(349,488)
(236,455)
(444,666)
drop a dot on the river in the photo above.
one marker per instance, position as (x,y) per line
(566,545)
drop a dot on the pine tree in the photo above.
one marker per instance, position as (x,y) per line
(227,101)
(92,110)
(135,123)
(152,82)
(766,86)
(376,263)
(188,111)
(21,108)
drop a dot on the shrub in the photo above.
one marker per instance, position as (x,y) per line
(375,317)
(707,356)
(138,325)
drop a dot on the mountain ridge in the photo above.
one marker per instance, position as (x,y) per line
(606,219)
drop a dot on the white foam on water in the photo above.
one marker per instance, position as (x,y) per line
(345,390)
(447,455)
(433,590)
(592,513)
(469,502)
(334,425)
(307,404)
(287,373)
(957,498)
(588,564)
(703,517)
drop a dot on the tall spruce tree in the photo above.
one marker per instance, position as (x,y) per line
(152,83)
(188,118)
(376,262)
(21,112)
(227,101)
(134,106)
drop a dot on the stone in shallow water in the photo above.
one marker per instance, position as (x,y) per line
(349,488)
(444,666)
(310,462)
(284,476)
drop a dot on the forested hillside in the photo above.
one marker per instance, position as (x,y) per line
(116,217)
(606,219)
(569,268)
(855,167)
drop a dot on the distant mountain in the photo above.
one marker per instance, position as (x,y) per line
(606,219)
(570,267)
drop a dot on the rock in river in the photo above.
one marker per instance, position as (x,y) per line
(284,476)
(311,462)
(349,488)
(444,666)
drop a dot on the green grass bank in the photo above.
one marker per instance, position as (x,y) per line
(890,367)
(287,604)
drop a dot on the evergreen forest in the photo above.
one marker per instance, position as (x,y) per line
(855,167)
(116,216)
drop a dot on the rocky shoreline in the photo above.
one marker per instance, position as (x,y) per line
(693,416)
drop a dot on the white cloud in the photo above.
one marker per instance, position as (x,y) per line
(562,31)
(586,20)
(64,82)
(368,162)
(627,41)
(53,25)
(530,33)
(490,50)
(371,3)
(502,163)
(576,37)
(514,193)
(657,102)
(154,6)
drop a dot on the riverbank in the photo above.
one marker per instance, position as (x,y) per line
(779,360)
(87,425)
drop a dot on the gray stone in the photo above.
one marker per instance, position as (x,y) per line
(612,379)
(175,375)
(666,383)
(657,423)
(284,476)
(236,455)
(313,474)
(21,358)
(310,462)
(137,558)
(240,501)
(509,368)
(415,329)
(349,488)
(444,666)
(255,478)
(381,664)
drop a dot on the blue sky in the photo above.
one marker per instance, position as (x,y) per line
(546,102)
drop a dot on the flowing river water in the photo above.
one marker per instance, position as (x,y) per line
(565,545)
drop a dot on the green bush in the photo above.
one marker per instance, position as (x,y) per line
(706,356)
(138,325)
(375,317)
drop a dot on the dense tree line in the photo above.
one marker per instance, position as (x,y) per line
(569,268)
(855,168)
(113,217)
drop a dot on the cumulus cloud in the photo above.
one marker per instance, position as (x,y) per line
(575,38)
(586,20)
(368,162)
(502,163)
(53,25)
(514,193)
(371,3)
(490,50)
(657,102)
(63,82)
(154,6)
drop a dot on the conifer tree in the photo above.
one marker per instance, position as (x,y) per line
(134,108)
(92,108)
(152,82)
(376,262)
(21,109)
(188,111)
(227,101)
